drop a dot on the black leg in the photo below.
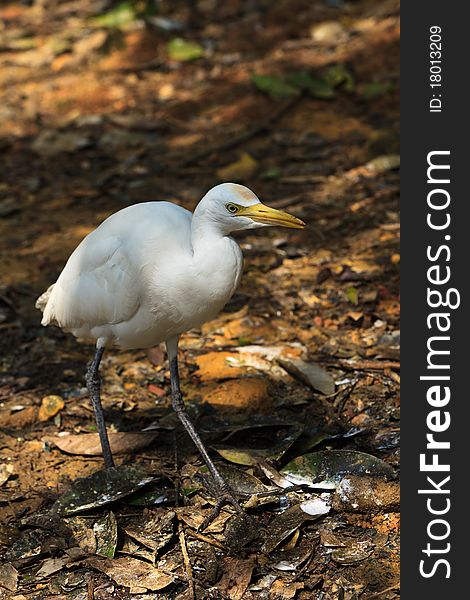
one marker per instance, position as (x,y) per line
(180,409)
(93,384)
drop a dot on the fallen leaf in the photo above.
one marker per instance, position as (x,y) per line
(236,577)
(355,315)
(314,86)
(29,544)
(88,444)
(274,86)
(20,419)
(254,444)
(153,530)
(8,577)
(50,407)
(101,488)
(326,469)
(285,590)
(183,50)
(386,162)
(195,517)
(339,75)
(105,530)
(352,553)
(327,32)
(376,89)
(6,470)
(118,16)
(82,532)
(50,566)
(241,481)
(157,391)
(243,168)
(313,375)
(352,295)
(282,526)
(135,574)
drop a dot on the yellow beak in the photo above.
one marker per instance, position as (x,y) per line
(270,216)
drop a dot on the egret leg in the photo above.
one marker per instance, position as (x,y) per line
(226,494)
(92,379)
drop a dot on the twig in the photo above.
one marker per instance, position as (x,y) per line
(369,365)
(187,562)
(204,538)
(389,589)
(90,589)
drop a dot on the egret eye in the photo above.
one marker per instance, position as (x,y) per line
(232,208)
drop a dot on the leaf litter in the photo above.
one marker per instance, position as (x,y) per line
(130,123)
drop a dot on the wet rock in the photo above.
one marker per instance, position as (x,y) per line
(366,494)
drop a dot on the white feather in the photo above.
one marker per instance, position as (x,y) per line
(154,270)
(145,275)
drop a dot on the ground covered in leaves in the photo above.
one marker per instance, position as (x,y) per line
(294,387)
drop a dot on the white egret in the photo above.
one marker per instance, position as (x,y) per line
(149,273)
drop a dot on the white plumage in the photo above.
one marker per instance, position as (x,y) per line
(152,271)
(147,274)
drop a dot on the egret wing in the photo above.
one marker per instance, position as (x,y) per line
(98,285)
(106,278)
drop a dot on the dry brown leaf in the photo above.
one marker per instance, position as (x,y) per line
(236,577)
(137,575)
(50,406)
(88,444)
(5,471)
(8,577)
(195,517)
(313,375)
(282,590)
(50,566)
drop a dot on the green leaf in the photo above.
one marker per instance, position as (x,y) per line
(274,86)
(182,50)
(315,86)
(339,75)
(352,295)
(271,173)
(376,89)
(243,341)
(122,14)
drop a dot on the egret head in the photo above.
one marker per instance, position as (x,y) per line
(233,207)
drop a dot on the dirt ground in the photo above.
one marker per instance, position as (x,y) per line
(102,108)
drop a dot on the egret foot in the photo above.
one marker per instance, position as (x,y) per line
(225,497)
(93,384)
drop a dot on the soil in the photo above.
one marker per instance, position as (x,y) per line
(98,117)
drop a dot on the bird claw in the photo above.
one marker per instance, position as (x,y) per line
(225,497)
